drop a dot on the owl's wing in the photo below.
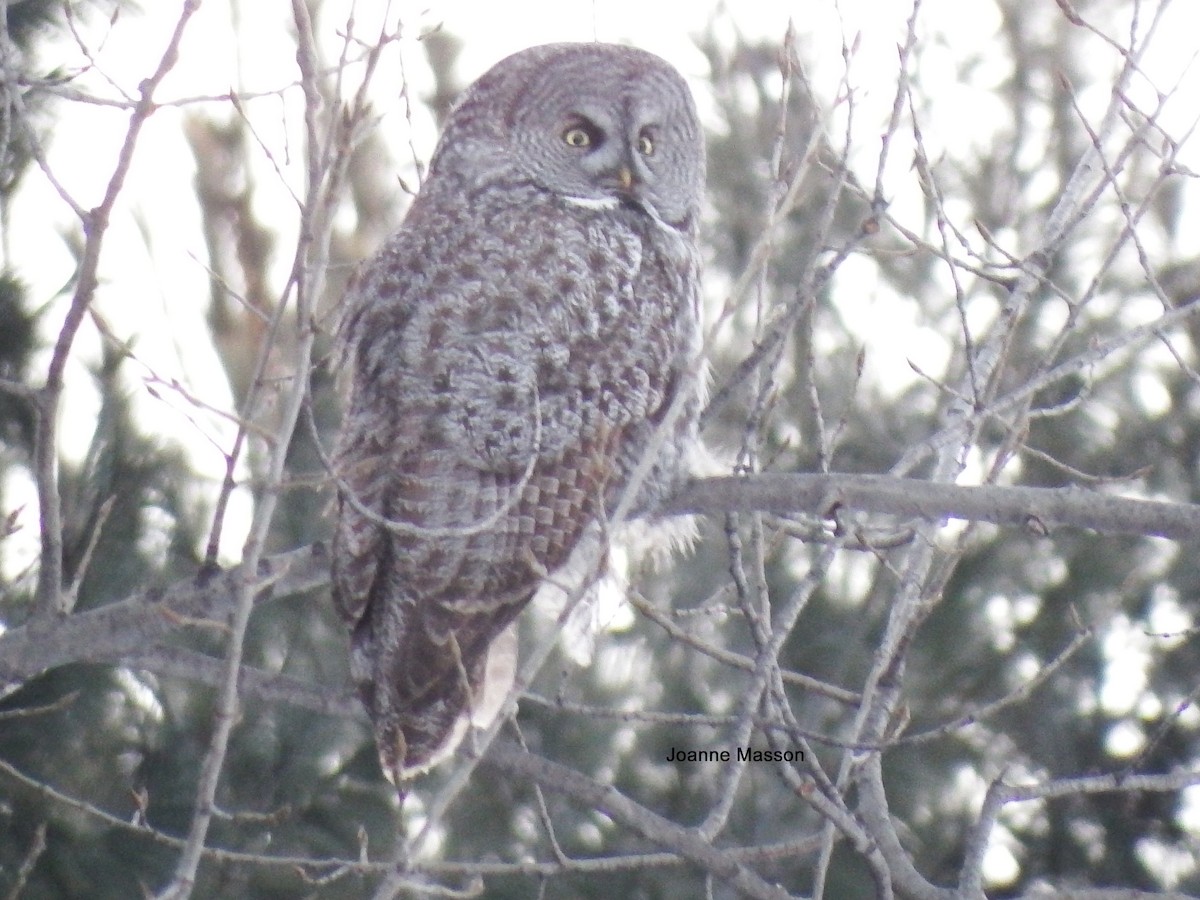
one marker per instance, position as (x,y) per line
(425,594)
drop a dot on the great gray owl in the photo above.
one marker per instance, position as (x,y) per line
(514,351)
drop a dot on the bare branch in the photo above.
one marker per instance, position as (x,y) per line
(1036,510)
(725,867)
(119,630)
(95,223)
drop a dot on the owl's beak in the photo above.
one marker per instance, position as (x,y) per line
(625,177)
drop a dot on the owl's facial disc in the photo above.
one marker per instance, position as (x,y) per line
(622,133)
(613,159)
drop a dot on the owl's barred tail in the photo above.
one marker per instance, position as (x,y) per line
(424,689)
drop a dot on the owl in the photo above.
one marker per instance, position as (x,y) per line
(523,364)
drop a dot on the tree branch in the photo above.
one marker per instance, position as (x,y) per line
(512,761)
(1036,509)
(269,687)
(50,594)
(120,631)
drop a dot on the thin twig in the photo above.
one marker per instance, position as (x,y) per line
(95,226)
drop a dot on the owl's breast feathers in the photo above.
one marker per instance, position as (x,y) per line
(509,363)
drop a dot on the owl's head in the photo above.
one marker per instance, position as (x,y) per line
(598,124)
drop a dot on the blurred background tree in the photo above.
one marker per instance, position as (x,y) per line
(994,287)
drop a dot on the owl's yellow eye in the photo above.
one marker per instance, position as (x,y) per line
(577,137)
(645,145)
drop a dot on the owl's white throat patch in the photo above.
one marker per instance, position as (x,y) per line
(604,203)
(594,202)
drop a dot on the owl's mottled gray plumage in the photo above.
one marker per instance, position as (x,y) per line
(512,350)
